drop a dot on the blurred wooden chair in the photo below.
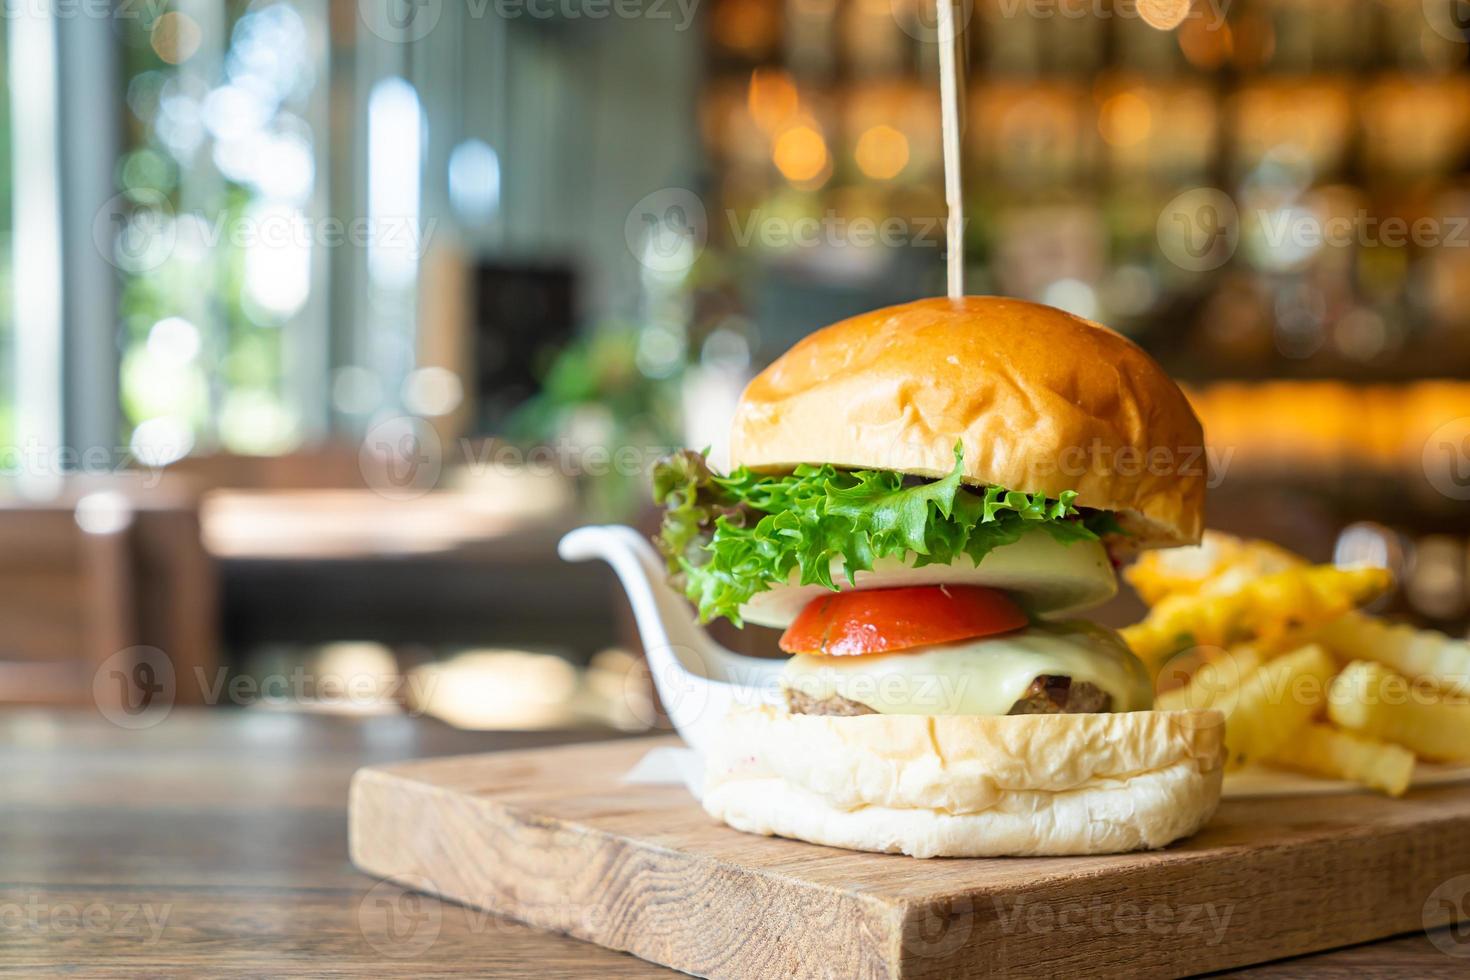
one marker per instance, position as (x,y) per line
(92,574)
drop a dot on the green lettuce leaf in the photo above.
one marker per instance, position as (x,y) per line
(727,538)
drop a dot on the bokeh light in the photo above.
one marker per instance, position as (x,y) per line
(432,391)
(772,99)
(277,258)
(176,37)
(882,152)
(1125,120)
(800,154)
(474,181)
(1163,14)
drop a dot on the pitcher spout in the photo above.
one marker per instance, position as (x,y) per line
(697,678)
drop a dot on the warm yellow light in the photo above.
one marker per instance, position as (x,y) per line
(800,154)
(882,152)
(496,689)
(1205,45)
(1125,120)
(176,37)
(1254,41)
(772,99)
(1163,14)
(749,26)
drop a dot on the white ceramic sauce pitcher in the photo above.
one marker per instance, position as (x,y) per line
(698,680)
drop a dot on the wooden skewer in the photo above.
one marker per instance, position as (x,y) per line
(951,78)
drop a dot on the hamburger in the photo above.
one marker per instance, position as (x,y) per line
(922,499)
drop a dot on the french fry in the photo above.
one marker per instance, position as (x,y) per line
(1220,563)
(1264,609)
(1373,700)
(1321,750)
(1275,702)
(1440,659)
(1215,684)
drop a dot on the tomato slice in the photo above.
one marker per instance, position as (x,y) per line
(849,624)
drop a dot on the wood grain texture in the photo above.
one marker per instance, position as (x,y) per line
(553,838)
(215,845)
(229,830)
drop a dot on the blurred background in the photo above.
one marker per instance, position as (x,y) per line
(322,320)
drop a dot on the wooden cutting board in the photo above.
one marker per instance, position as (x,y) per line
(552,837)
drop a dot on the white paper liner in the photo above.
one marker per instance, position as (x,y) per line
(1259,781)
(671,766)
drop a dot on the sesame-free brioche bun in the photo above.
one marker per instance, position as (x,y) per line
(1042,401)
(968,785)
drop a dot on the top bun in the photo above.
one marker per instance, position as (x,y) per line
(1042,401)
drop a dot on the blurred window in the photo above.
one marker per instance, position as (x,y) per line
(221,302)
(7,351)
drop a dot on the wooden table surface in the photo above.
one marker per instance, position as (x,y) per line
(214,844)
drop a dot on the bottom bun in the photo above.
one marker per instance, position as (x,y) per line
(969,786)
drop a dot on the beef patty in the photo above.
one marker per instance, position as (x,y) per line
(1057,694)
(1049,694)
(805,704)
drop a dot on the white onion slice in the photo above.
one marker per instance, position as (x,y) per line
(1050,579)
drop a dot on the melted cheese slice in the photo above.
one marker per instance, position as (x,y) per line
(977,677)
